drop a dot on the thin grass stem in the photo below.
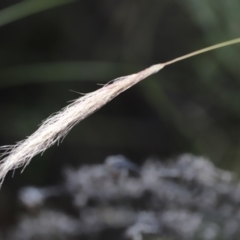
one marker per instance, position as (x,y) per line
(207,49)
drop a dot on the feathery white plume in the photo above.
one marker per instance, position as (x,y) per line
(59,124)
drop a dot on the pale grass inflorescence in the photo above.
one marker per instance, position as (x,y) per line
(58,125)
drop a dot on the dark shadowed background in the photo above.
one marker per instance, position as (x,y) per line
(192,106)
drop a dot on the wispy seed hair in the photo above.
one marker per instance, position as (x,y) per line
(57,126)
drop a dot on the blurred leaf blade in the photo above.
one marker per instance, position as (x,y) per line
(62,71)
(26,8)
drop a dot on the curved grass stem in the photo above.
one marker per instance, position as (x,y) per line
(207,49)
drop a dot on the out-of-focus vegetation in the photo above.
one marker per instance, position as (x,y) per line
(186,199)
(192,106)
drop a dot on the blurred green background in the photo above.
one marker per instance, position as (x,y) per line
(49,48)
